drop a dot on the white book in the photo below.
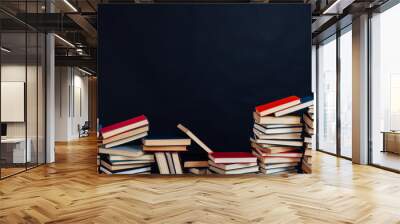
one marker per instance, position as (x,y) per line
(125,140)
(267,126)
(294,108)
(281,130)
(279,142)
(253,169)
(261,135)
(177,162)
(277,165)
(133,171)
(307,139)
(123,150)
(125,128)
(232,166)
(290,119)
(162,163)
(170,163)
(277,170)
(118,158)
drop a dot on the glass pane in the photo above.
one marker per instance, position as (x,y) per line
(41,98)
(385,89)
(346,94)
(31,100)
(327,96)
(13,86)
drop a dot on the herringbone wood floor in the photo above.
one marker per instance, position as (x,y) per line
(70,191)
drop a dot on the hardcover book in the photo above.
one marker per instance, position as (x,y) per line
(308,121)
(282,154)
(119,158)
(166,141)
(177,163)
(125,140)
(307,168)
(281,104)
(141,170)
(277,165)
(284,136)
(280,142)
(126,134)
(162,162)
(124,150)
(272,126)
(281,130)
(274,149)
(194,138)
(232,166)
(305,102)
(232,157)
(272,160)
(167,148)
(113,167)
(170,163)
(252,169)
(195,164)
(124,126)
(289,119)
(277,170)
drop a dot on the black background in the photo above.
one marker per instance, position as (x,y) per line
(203,65)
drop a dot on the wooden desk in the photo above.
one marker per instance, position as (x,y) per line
(18,150)
(391,141)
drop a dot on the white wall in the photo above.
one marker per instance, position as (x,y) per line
(71,102)
(34,125)
(16,72)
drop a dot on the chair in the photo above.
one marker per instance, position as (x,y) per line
(84,130)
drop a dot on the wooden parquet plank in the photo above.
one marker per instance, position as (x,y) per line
(71,191)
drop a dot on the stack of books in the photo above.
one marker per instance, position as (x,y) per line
(119,154)
(125,131)
(308,119)
(232,163)
(166,153)
(125,159)
(278,134)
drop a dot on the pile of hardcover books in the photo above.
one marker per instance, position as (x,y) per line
(308,119)
(166,151)
(232,163)
(278,134)
(119,153)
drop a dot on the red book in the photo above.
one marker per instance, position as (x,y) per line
(124,126)
(232,157)
(277,105)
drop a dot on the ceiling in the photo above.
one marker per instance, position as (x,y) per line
(74,21)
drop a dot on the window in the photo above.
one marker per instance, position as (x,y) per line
(346,92)
(327,96)
(385,88)
(22,77)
